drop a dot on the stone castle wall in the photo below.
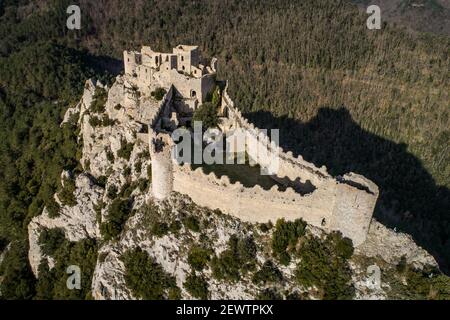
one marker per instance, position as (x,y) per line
(160,150)
(288,165)
(353,197)
(189,87)
(334,206)
(345,204)
(355,202)
(254,204)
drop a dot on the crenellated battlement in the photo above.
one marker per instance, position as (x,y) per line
(264,140)
(253,204)
(343,203)
(212,179)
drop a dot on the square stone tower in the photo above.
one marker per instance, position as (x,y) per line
(187,57)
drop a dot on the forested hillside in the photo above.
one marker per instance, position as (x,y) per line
(374,102)
(417,15)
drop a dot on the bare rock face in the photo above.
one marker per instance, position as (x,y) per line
(100,158)
(385,247)
(79,222)
(391,246)
(85,102)
(169,251)
(365,287)
(82,221)
(103,141)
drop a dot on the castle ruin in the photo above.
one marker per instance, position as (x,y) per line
(183,69)
(345,203)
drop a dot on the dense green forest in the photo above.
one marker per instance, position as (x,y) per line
(417,15)
(38,83)
(372,102)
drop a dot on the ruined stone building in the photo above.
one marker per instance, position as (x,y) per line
(183,69)
(342,203)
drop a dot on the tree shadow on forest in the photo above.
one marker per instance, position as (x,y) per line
(409,198)
(104,64)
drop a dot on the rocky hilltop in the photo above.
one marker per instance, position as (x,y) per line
(179,250)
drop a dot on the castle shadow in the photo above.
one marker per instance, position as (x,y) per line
(409,201)
(105,66)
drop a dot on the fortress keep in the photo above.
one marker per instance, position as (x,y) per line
(345,203)
(183,69)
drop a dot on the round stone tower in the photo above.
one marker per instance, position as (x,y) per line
(162,174)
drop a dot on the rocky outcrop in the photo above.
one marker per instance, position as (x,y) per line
(170,251)
(391,246)
(98,144)
(79,222)
(114,157)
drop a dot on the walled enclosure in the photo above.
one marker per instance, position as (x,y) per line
(345,204)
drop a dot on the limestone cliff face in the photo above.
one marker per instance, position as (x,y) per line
(109,152)
(391,246)
(170,251)
(79,222)
(116,158)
